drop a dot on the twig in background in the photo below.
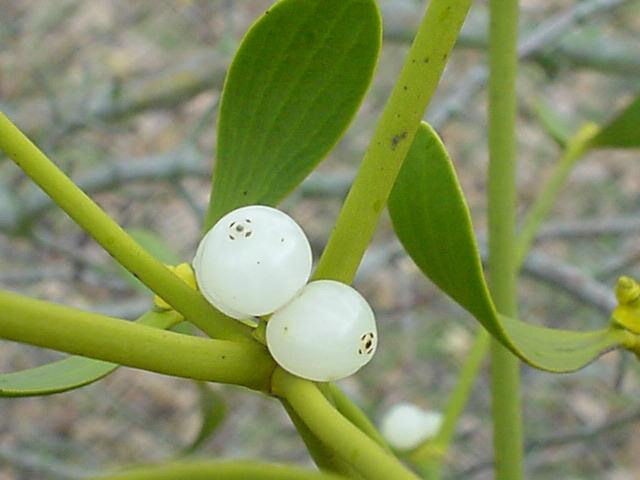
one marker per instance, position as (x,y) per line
(581,434)
(590,228)
(547,33)
(571,280)
(621,263)
(547,269)
(44,464)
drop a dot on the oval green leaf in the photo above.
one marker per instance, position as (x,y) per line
(432,221)
(71,372)
(623,131)
(294,86)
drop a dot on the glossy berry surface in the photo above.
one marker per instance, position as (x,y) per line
(326,333)
(253,261)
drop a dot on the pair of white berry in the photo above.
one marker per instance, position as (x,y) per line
(256,261)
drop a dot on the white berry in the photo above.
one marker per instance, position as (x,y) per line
(405,426)
(253,261)
(326,333)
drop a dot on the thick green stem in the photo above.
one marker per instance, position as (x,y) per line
(576,148)
(396,128)
(336,432)
(431,454)
(505,374)
(392,138)
(86,213)
(325,458)
(356,416)
(207,470)
(69,330)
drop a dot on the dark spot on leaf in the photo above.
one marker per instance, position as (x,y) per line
(245,193)
(444,57)
(405,88)
(396,139)
(224,357)
(426,60)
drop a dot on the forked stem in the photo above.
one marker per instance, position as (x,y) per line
(118,243)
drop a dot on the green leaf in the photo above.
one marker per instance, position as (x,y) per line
(213,410)
(156,246)
(623,131)
(432,220)
(294,86)
(71,372)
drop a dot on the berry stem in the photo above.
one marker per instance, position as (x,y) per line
(335,432)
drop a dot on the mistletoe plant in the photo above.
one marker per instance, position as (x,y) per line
(294,86)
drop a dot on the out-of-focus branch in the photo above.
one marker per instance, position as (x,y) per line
(201,71)
(620,263)
(535,43)
(120,98)
(37,462)
(542,267)
(590,228)
(570,280)
(578,50)
(580,434)
(172,166)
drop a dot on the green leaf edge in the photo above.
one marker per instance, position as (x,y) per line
(575,349)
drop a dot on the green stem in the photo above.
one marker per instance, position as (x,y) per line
(575,149)
(207,470)
(356,416)
(336,432)
(505,374)
(323,457)
(66,329)
(431,453)
(396,128)
(86,213)
(392,138)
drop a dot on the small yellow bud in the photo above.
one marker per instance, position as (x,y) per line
(185,273)
(627,313)
(628,292)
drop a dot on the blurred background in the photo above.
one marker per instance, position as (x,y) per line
(123,96)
